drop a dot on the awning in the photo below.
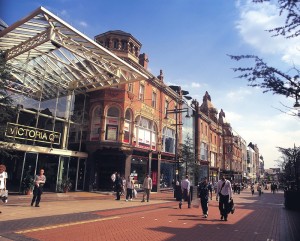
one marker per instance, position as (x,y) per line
(49,56)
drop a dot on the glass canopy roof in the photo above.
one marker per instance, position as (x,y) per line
(49,56)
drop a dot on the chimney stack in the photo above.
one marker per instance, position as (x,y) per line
(143,60)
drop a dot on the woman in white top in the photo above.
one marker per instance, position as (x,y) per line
(130,187)
(3,177)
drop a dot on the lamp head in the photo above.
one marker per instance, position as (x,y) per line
(297,105)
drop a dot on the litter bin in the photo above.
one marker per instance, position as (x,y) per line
(177,193)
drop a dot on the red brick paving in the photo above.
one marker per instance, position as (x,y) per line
(255,219)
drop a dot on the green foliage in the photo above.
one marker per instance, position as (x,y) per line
(187,157)
(291,166)
(64,185)
(27,182)
(7,112)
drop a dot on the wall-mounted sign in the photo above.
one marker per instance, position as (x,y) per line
(33,134)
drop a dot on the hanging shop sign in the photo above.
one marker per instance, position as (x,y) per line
(33,134)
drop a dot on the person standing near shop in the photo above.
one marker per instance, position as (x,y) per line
(118,186)
(3,177)
(204,190)
(39,181)
(224,195)
(130,187)
(185,189)
(147,185)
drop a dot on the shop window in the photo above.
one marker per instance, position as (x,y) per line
(127,126)
(139,167)
(168,140)
(166,174)
(96,124)
(112,124)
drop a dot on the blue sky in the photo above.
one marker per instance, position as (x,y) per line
(189,40)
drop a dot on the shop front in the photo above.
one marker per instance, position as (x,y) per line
(27,163)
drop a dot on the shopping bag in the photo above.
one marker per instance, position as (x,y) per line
(231,207)
(196,203)
(4,195)
(134,193)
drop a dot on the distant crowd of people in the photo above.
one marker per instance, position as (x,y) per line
(126,187)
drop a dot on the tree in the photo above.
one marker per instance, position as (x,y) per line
(291,27)
(291,165)
(7,112)
(187,157)
(267,77)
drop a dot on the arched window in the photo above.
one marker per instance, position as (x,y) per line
(168,140)
(127,126)
(146,133)
(112,124)
(96,124)
(116,44)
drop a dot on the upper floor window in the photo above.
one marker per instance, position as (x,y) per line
(112,124)
(130,87)
(127,126)
(204,151)
(154,99)
(142,92)
(96,124)
(123,45)
(146,133)
(116,44)
(166,106)
(168,140)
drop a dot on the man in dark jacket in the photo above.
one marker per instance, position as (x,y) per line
(118,186)
(204,190)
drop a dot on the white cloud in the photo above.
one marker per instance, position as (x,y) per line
(64,13)
(83,24)
(252,24)
(240,94)
(268,132)
(196,85)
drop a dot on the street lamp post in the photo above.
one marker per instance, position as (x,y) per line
(177,111)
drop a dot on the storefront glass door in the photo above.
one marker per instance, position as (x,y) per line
(29,167)
(73,172)
(81,175)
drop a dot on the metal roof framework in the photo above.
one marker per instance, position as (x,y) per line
(50,56)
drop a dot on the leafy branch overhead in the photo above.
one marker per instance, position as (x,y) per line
(268,78)
(291,27)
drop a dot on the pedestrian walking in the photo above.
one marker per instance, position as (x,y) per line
(39,182)
(224,195)
(3,190)
(252,189)
(113,179)
(118,186)
(185,189)
(204,190)
(259,189)
(123,192)
(147,185)
(130,187)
